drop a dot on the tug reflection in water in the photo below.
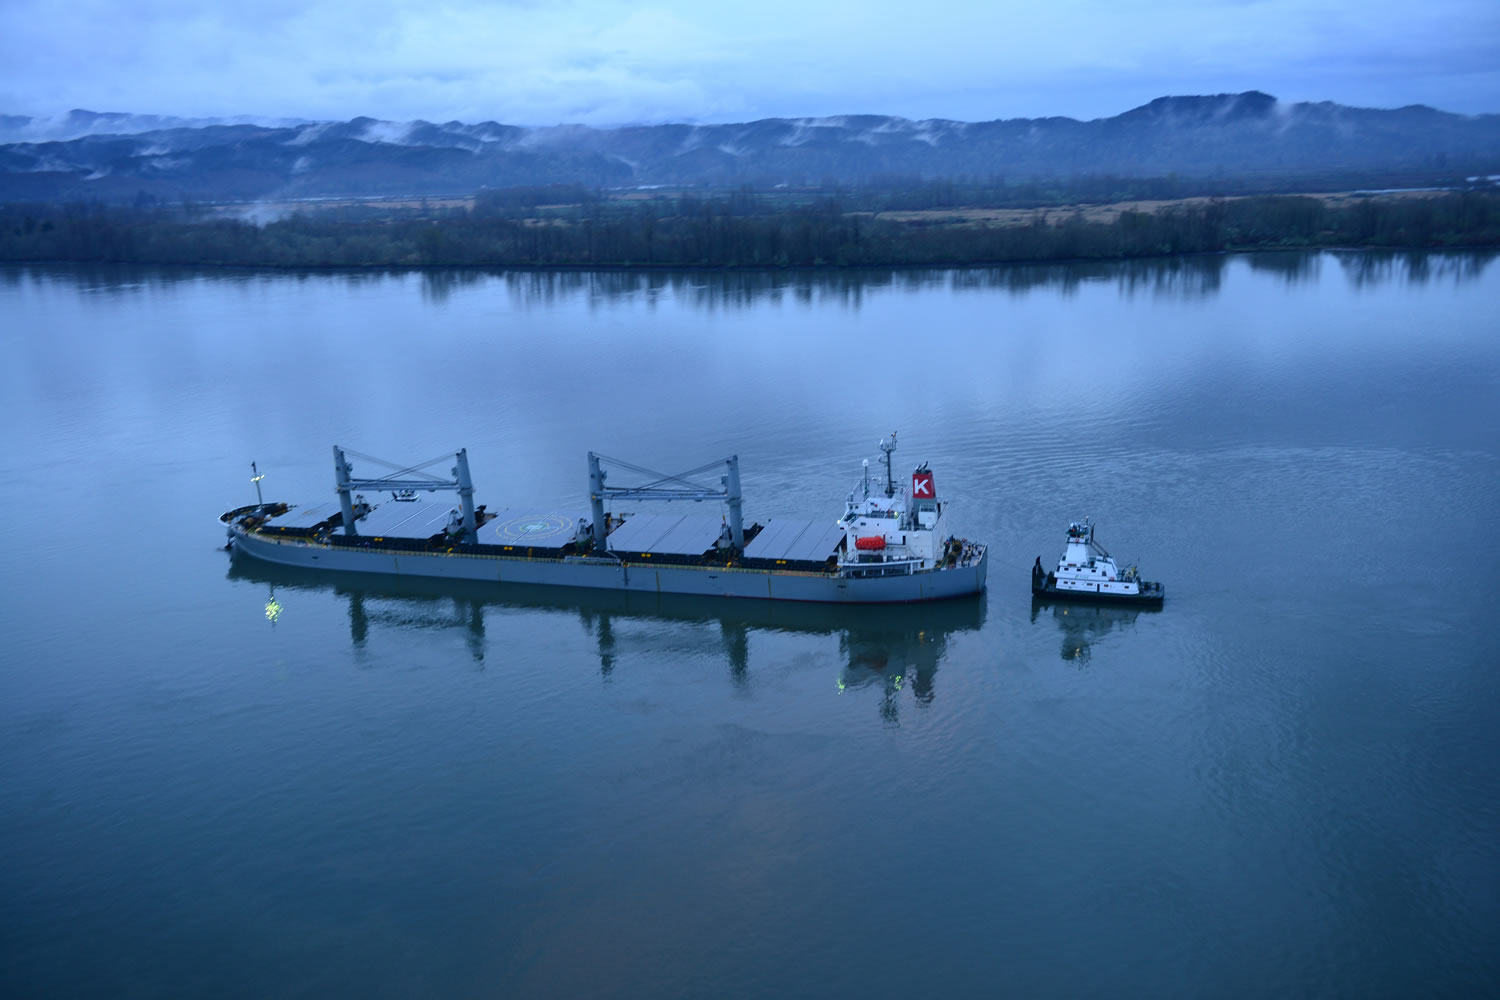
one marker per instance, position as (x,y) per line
(897,646)
(1085,624)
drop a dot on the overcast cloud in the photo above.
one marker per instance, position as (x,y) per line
(603,62)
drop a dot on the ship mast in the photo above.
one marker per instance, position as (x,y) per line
(888,447)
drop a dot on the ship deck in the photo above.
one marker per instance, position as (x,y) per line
(793,543)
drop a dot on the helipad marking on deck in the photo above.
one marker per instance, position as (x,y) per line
(522,527)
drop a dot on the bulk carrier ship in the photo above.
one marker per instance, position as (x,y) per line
(891,545)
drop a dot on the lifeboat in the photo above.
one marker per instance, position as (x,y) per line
(870,543)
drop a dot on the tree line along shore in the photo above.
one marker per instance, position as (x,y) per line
(575,227)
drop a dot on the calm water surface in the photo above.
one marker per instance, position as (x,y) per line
(237,782)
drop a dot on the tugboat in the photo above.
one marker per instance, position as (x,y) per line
(1087,573)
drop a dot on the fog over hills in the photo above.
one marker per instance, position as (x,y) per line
(118,156)
(78,123)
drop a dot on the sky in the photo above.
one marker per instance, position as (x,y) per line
(610,62)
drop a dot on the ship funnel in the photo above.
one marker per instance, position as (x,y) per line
(922,486)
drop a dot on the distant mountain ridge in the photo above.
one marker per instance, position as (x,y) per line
(79,122)
(117,156)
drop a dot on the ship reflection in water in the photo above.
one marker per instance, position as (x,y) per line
(896,646)
(1085,624)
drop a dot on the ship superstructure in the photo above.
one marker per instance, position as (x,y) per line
(889,546)
(897,530)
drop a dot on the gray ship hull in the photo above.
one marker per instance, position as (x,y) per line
(619,575)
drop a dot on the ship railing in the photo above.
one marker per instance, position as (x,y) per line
(855,571)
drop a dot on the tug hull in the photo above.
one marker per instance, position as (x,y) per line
(1152,595)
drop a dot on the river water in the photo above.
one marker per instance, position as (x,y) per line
(236,782)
